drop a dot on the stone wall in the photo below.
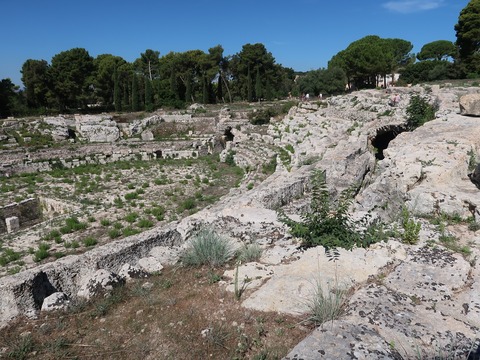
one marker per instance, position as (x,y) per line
(23,293)
(27,211)
(48,165)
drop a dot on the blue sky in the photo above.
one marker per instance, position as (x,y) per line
(301,34)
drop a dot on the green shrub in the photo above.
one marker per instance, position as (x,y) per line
(144,223)
(72,224)
(328,223)
(269,168)
(411,228)
(89,241)
(158,212)
(114,233)
(105,222)
(8,256)
(42,252)
(419,111)
(59,254)
(230,158)
(289,148)
(129,231)
(54,235)
(131,196)
(207,248)
(131,217)
(187,204)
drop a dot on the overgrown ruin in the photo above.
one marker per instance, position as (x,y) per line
(169,182)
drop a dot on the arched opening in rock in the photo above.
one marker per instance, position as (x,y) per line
(41,288)
(228,134)
(383,137)
(72,134)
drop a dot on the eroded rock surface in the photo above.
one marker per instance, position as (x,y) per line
(405,298)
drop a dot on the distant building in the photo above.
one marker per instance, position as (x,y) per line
(389,82)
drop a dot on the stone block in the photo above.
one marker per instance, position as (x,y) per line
(12,223)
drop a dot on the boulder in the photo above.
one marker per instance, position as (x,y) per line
(99,283)
(475,176)
(147,135)
(138,126)
(57,127)
(470,104)
(150,265)
(129,272)
(56,301)
(97,128)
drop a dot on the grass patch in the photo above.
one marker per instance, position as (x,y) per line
(326,305)
(207,248)
(249,253)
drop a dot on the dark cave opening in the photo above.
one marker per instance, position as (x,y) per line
(72,134)
(383,137)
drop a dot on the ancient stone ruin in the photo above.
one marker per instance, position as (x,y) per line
(424,292)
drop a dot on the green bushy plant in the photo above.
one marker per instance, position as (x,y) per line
(328,223)
(419,111)
(207,248)
(42,252)
(249,253)
(411,228)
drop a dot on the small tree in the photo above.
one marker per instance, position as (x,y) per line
(328,222)
(419,111)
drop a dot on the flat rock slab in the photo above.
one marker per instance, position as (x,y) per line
(292,285)
(430,274)
(339,340)
(411,326)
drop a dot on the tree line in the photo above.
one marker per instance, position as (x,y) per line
(75,81)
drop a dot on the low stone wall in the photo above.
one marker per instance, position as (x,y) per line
(27,211)
(23,293)
(48,165)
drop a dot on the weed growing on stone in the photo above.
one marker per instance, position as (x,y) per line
(328,223)
(239,289)
(42,252)
(89,241)
(249,253)
(451,242)
(326,304)
(207,248)
(472,160)
(411,228)
(419,111)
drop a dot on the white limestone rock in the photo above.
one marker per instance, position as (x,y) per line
(470,104)
(56,301)
(150,265)
(99,283)
(130,272)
